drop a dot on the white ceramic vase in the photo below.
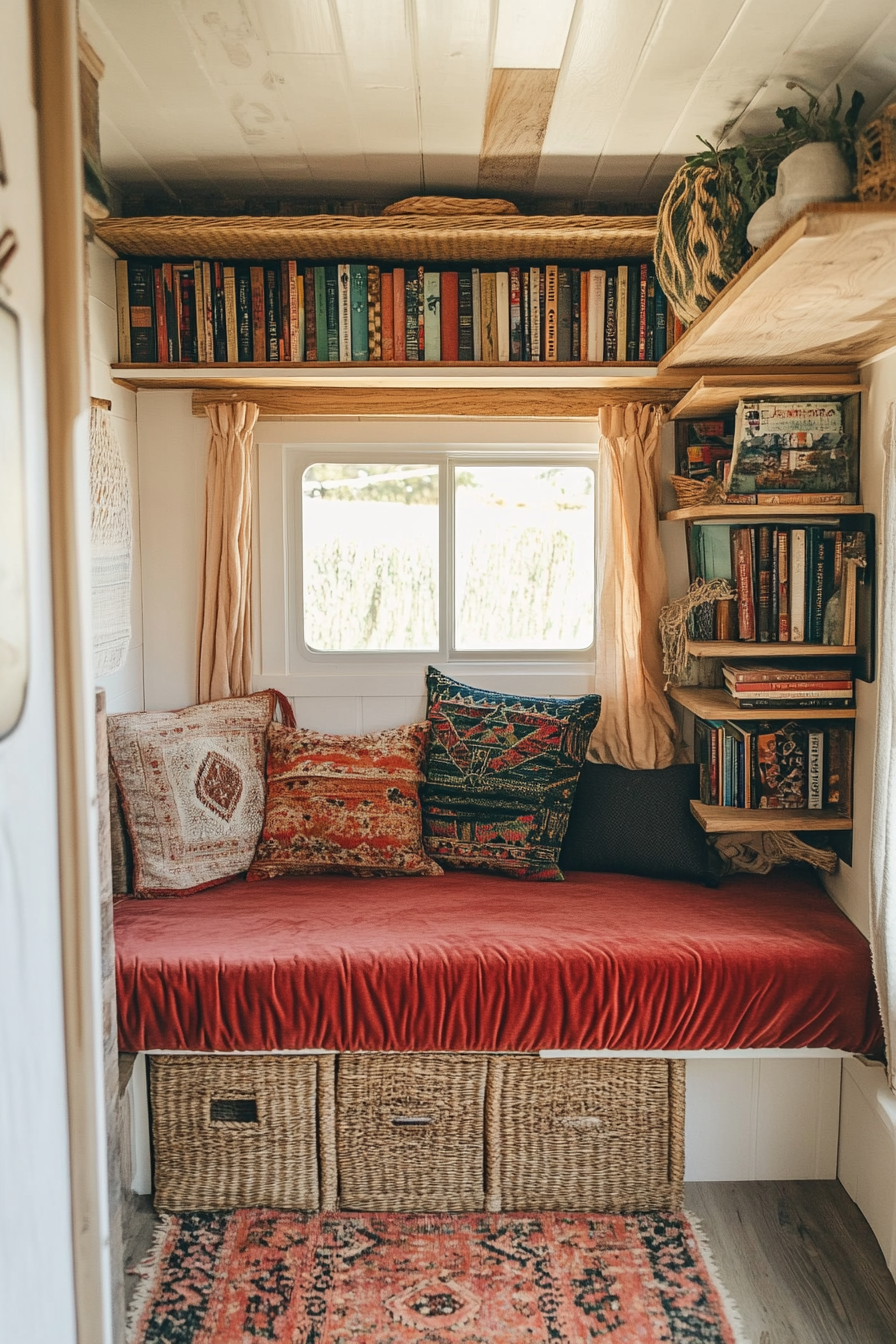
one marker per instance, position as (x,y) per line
(812,173)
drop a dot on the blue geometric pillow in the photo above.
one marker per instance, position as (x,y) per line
(501,772)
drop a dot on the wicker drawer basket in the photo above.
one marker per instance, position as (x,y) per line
(409,1131)
(242,1131)
(605,1135)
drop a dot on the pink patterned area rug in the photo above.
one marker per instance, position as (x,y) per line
(560,1278)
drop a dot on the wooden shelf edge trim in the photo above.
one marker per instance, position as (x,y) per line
(714,394)
(474,403)
(715,703)
(723,820)
(696,512)
(736,648)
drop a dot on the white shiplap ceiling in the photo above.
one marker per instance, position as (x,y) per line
(596,100)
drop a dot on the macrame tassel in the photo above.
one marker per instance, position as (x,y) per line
(111,542)
(760,851)
(674,623)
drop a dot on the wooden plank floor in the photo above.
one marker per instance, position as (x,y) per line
(797,1257)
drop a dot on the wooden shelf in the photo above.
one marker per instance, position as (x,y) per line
(821,292)
(714,703)
(758,512)
(718,394)
(718,820)
(737,648)
(416,238)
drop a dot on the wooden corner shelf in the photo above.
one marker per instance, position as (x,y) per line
(758,512)
(718,394)
(821,292)
(738,648)
(715,703)
(719,820)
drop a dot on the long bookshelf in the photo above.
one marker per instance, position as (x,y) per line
(722,820)
(711,702)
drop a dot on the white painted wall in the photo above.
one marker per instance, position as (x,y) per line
(124,689)
(36,1279)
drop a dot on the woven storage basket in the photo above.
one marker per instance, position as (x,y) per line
(603,1135)
(876,156)
(241,1131)
(409,1131)
(695,493)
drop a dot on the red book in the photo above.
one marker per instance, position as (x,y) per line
(386,305)
(743,578)
(399,315)
(450,330)
(295,343)
(310,316)
(284,339)
(259,329)
(158,290)
(642,314)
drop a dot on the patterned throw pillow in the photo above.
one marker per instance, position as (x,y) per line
(500,777)
(192,784)
(344,804)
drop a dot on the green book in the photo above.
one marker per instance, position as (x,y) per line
(358,300)
(712,551)
(320,313)
(332,322)
(432,335)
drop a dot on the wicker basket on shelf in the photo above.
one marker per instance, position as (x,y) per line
(876,154)
(691,494)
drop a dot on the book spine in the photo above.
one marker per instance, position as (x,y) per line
(575,352)
(329,329)
(551,280)
(525,317)
(516,315)
(300,316)
(311,314)
(783,586)
(285,345)
(219,312)
(661,322)
(387,300)
(293,280)
(634,308)
(584,283)
(160,315)
(819,575)
(412,350)
(186,298)
(199,303)
(171,313)
(597,300)
(502,313)
(141,302)
(230,314)
(421,313)
(765,584)
(610,323)
(345,313)
(319,308)
(622,314)
(476,306)
(642,313)
(542,308)
(793,703)
(487,285)
(465,316)
(757,689)
(743,570)
(399,314)
(650,355)
(123,312)
(564,314)
(432,316)
(358,319)
(256,274)
(535,311)
(798,585)
(374,315)
(208,308)
(449,316)
(272,313)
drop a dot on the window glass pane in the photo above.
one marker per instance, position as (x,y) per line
(524,557)
(370,556)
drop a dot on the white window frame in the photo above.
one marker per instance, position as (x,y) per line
(288,663)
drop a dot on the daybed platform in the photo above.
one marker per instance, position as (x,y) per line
(468,962)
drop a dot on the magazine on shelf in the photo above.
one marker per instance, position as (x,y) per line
(795,447)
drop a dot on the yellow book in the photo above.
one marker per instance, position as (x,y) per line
(550,312)
(489,310)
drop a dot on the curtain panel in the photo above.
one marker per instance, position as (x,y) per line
(637,728)
(225,613)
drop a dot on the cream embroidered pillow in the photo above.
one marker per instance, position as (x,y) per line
(192,783)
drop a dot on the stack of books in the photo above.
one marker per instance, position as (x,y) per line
(214,312)
(794,584)
(778,766)
(755,687)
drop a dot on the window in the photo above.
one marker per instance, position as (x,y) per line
(446,554)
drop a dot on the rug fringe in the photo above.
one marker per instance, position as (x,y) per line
(732,1311)
(148,1271)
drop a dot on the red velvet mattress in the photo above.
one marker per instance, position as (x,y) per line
(465,962)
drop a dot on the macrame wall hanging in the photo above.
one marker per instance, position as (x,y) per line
(111,539)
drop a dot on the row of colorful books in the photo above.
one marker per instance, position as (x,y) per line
(775,766)
(755,687)
(792,451)
(213,312)
(793,584)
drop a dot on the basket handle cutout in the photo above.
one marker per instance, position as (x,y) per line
(411,1120)
(233,1110)
(583,1122)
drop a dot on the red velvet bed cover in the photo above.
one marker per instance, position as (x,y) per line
(469,962)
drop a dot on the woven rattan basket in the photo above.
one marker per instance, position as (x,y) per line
(605,1135)
(409,1131)
(242,1131)
(691,494)
(876,156)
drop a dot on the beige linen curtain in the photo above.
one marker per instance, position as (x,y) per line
(225,617)
(636,728)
